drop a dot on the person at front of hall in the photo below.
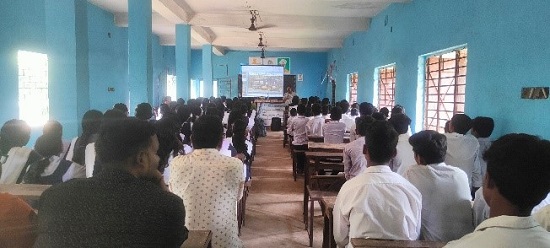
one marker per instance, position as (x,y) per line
(127,204)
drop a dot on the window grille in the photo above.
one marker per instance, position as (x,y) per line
(386,87)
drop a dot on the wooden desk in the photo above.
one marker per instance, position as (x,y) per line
(321,139)
(327,205)
(27,192)
(383,243)
(322,147)
(198,239)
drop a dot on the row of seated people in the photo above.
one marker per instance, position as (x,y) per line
(204,189)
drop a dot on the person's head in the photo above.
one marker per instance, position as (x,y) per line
(400,122)
(52,127)
(113,114)
(301,109)
(129,144)
(482,127)
(385,111)
(48,145)
(180,101)
(144,111)
(303,101)
(325,101)
(344,105)
(14,133)
(428,146)
(166,129)
(460,123)
(207,132)
(325,109)
(316,109)
(397,109)
(336,113)
(518,170)
(362,124)
(91,121)
(447,128)
(353,112)
(167,99)
(293,112)
(379,116)
(295,100)
(122,108)
(366,108)
(380,143)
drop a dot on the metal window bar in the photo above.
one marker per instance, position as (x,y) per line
(386,87)
(445,87)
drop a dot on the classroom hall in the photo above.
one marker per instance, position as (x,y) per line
(61,58)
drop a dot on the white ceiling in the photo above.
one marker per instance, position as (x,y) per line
(291,25)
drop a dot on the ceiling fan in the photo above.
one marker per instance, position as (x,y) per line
(255,15)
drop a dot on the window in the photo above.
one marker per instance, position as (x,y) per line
(201,88)
(385,77)
(193,89)
(444,87)
(33,88)
(215,88)
(171,87)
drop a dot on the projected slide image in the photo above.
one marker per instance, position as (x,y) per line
(262,81)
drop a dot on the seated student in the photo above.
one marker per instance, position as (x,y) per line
(293,114)
(122,108)
(378,203)
(386,112)
(516,181)
(482,128)
(365,109)
(446,207)
(334,130)
(52,169)
(315,125)
(299,133)
(144,111)
(462,150)
(17,222)
(543,217)
(405,155)
(346,118)
(53,127)
(14,157)
(354,159)
(91,121)
(126,205)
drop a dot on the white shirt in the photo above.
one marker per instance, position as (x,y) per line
(13,164)
(289,125)
(462,152)
(484,144)
(405,155)
(315,126)
(446,207)
(354,159)
(348,120)
(505,232)
(543,217)
(353,133)
(298,130)
(74,171)
(377,203)
(334,132)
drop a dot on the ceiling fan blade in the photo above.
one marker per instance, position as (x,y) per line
(266,26)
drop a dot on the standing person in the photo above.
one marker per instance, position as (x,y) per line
(377,203)
(446,207)
(126,205)
(14,156)
(516,181)
(209,183)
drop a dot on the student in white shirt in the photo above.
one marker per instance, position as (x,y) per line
(299,133)
(334,130)
(354,159)
(446,208)
(516,181)
(462,150)
(378,203)
(316,123)
(482,128)
(405,155)
(365,109)
(543,217)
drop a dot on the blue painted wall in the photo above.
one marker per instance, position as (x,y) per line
(507,50)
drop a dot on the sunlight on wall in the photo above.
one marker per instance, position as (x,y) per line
(33,88)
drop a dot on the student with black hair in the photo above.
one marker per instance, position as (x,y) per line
(126,205)
(405,155)
(316,123)
(122,108)
(14,156)
(334,130)
(298,130)
(365,109)
(516,181)
(354,159)
(377,203)
(144,111)
(482,128)
(446,208)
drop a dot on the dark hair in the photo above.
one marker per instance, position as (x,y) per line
(316,109)
(52,127)
(239,137)
(121,139)
(121,107)
(518,165)
(447,126)
(336,113)
(91,122)
(207,132)
(167,133)
(14,133)
(353,112)
(344,104)
(461,123)
(400,122)
(397,109)
(379,116)
(430,145)
(483,126)
(381,141)
(301,109)
(385,111)
(363,123)
(366,108)
(293,112)
(113,114)
(144,111)
(46,145)
(325,109)
(295,101)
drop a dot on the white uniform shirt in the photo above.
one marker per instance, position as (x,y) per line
(405,155)
(543,217)
(378,204)
(298,130)
(315,126)
(334,132)
(354,159)
(348,120)
(446,207)
(505,232)
(462,152)
(484,144)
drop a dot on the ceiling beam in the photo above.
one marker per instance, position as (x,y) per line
(282,21)
(173,11)
(278,43)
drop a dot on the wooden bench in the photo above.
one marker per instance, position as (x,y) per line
(198,239)
(384,243)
